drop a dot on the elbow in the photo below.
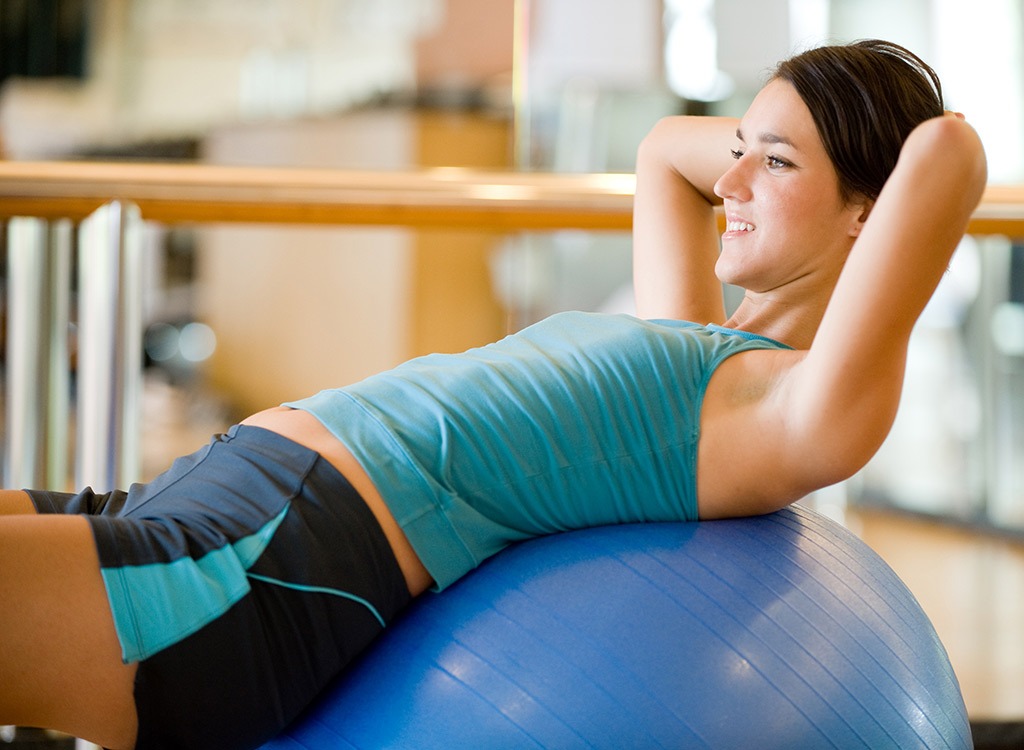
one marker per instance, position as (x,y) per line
(834,441)
(964,161)
(655,146)
(844,446)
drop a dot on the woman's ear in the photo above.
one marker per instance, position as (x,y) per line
(862,211)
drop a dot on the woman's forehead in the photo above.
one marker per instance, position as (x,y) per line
(778,116)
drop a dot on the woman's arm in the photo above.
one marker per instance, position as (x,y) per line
(675,238)
(842,398)
(776,425)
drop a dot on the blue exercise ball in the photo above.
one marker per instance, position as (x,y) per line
(779,631)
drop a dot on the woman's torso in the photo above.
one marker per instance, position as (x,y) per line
(582,420)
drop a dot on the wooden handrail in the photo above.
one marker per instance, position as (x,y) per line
(440,197)
(1001,212)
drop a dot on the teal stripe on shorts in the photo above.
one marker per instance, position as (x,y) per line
(159,604)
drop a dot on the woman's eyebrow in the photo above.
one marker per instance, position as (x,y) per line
(770,138)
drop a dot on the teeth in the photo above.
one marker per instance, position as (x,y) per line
(739,226)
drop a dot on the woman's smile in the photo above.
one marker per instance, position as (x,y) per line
(736,227)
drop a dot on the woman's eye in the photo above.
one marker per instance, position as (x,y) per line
(775,162)
(736,153)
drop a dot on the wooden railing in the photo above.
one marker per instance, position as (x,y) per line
(448,197)
(106,202)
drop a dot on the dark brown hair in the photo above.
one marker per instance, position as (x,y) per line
(865,98)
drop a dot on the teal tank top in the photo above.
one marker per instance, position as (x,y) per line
(580,420)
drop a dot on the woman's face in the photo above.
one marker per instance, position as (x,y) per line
(786,221)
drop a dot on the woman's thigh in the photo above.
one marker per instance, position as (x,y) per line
(15,502)
(59,654)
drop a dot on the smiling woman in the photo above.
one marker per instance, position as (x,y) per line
(261,565)
(841,112)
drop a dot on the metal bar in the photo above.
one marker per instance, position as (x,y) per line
(38,363)
(27,306)
(110,348)
(57,362)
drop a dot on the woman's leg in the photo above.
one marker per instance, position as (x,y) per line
(59,654)
(15,502)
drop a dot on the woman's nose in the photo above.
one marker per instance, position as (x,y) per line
(734,183)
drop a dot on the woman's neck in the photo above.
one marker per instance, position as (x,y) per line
(792,323)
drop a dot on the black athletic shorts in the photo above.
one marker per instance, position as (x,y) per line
(242,580)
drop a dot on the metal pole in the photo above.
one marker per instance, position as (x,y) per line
(58,360)
(25,409)
(38,369)
(110,348)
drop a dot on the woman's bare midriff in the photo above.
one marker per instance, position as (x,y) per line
(304,429)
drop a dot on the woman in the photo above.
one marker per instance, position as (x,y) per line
(207,608)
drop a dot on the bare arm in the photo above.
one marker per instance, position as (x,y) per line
(675,239)
(841,399)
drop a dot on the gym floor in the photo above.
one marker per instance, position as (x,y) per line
(972,587)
